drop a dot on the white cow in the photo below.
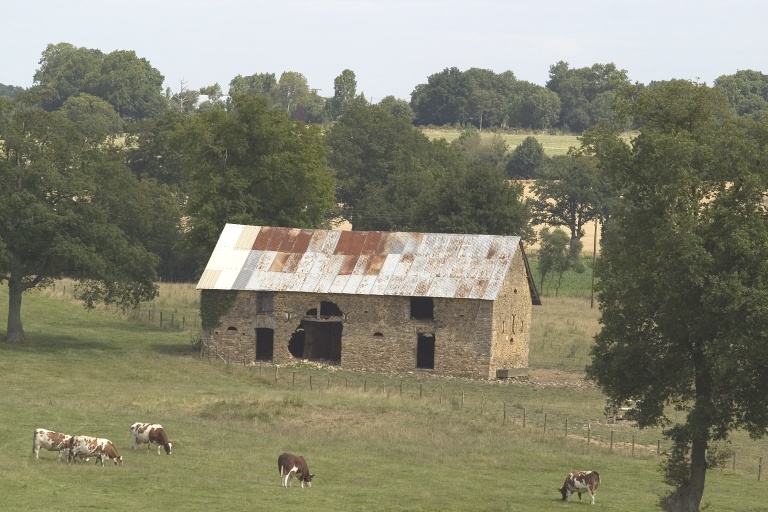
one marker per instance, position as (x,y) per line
(150,433)
(51,441)
(580,482)
(101,448)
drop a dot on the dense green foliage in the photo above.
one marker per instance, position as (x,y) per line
(251,165)
(683,278)
(69,206)
(213,304)
(392,177)
(129,83)
(571,193)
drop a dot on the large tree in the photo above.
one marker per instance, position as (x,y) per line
(747,92)
(68,207)
(251,165)
(382,164)
(683,277)
(129,83)
(473,197)
(584,92)
(570,194)
(344,91)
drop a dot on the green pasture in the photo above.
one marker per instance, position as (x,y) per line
(410,442)
(553,144)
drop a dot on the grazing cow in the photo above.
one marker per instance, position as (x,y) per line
(150,433)
(288,464)
(51,441)
(99,447)
(579,482)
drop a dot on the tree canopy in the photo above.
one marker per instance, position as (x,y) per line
(69,207)
(570,194)
(252,165)
(683,278)
(127,82)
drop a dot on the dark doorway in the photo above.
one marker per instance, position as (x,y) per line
(265,344)
(425,351)
(322,330)
(422,308)
(296,343)
(322,341)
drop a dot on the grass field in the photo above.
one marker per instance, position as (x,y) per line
(375,442)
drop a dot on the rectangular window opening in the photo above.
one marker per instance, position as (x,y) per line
(422,308)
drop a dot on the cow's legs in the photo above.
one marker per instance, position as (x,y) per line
(593,496)
(285,478)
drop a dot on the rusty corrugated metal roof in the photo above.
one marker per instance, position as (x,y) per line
(359,262)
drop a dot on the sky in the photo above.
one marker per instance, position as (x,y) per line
(393,45)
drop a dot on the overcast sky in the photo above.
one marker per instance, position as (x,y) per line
(393,45)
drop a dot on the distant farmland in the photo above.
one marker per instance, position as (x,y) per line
(553,144)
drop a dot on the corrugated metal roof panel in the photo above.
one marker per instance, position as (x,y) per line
(359,262)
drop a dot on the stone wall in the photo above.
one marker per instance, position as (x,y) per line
(472,337)
(512,321)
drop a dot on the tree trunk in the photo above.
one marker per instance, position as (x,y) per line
(687,498)
(15,331)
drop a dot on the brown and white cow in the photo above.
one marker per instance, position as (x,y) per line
(150,433)
(289,464)
(87,445)
(51,441)
(580,482)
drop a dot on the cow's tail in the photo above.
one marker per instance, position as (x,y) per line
(598,476)
(34,437)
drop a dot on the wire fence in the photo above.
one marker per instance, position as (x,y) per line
(148,315)
(621,440)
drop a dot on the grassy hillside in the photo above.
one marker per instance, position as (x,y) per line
(375,442)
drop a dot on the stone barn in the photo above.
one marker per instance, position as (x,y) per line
(448,304)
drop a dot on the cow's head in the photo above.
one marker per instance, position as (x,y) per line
(307,479)
(168,447)
(564,491)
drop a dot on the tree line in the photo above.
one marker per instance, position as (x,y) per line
(571,100)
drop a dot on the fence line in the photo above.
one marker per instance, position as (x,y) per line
(148,316)
(624,445)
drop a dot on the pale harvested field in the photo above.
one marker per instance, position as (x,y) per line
(553,144)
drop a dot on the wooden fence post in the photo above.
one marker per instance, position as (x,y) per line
(545,423)
(504,418)
(611,440)
(759,468)
(589,433)
(293,380)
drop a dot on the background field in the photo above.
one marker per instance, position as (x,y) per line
(375,442)
(553,144)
